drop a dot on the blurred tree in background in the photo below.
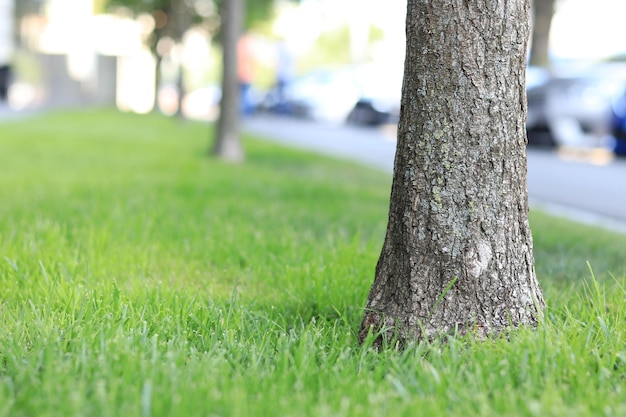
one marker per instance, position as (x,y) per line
(543,12)
(333,47)
(225,20)
(227,144)
(172,18)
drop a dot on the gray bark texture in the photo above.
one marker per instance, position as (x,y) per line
(543,11)
(458,255)
(227,145)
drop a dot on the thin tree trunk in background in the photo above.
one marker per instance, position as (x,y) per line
(182,16)
(160,33)
(457,257)
(227,144)
(543,11)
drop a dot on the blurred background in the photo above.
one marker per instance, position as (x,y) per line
(154,54)
(330,61)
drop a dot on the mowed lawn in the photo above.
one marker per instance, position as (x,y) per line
(139,277)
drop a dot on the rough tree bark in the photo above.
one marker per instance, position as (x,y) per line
(457,257)
(227,145)
(543,11)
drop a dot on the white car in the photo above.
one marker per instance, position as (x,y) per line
(575,109)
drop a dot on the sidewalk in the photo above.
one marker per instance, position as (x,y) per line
(8,113)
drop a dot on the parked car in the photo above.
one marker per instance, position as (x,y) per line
(537,129)
(574,108)
(382,88)
(618,125)
(324,95)
(367,95)
(579,108)
(380,91)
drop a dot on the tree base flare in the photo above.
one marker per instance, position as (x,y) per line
(230,150)
(384,332)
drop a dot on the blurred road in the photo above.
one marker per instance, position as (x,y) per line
(7,113)
(586,186)
(375,147)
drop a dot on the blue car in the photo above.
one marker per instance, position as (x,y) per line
(618,125)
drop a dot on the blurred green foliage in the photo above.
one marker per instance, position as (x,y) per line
(197,10)
(333,48)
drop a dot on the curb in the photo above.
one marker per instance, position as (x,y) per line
(579,216)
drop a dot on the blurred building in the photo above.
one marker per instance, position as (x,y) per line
(6,31)
(68,56)
(6,45)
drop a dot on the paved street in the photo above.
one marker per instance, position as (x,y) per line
(375,147)
(6,113)
(588,187)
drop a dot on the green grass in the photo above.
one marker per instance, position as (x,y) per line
(140,278)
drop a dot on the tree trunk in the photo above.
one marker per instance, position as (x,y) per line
(159,33)
(227,144)
(457,257)
(183,20)
(543,11)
